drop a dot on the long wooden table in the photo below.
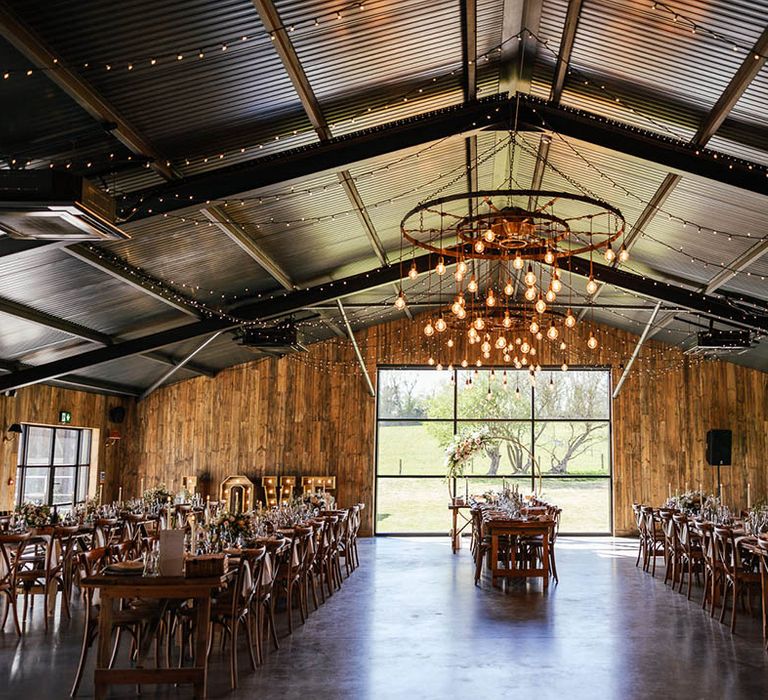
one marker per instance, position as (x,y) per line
(497,527)
(161,588)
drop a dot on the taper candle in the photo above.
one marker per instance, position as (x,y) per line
(120,494)
(749,495)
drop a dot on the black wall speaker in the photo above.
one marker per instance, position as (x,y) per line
(117,414)
(719,447)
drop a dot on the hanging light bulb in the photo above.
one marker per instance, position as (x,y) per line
(485,347)
(501,342)
(490,300)
(509,288)
(487,356)
(556,284)
(431,361)
(479,323)
(550,296)
(489,235)
(610,256)
(591,285)
(507,322)
(530,276)
(450,369)
(440,267)
(541,306)
(592,342)
(464,363)
(524,362)
(534,327)
(439,367)
(462,313)
(507,358)
(462,267)
(538,336)
(530,293)
(413,273)
(429,329)
(478,364)
(552,332)
(472,286)
(623,254)
(479,246)
(564,367)
(440,325)
(517,262)
(472,333)
(549,256)
(525,348)
(518,340)
(400,301)
(455,308)
(563,345)
(570,319)
(450,342)
(517,363)
(538,368)
(458,276)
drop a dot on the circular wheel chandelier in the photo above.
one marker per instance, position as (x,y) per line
(509,241)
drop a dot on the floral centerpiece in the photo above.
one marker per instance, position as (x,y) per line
(689,502)
(86,512)
(35,515)
(228,527)
(322,500)
(156,495)
(463,448)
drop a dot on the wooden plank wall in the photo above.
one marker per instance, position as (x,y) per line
(41,404)
(313,415)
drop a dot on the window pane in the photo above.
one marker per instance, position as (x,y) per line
(586,503)
(578,447)
(412,447)
(85,447)
(415,393)
(573,394)
(65,447)
(412,505)
(19,477)
(509,397)
(510,451)
(36,484)
(479,486)
(82,484)
(64,485)
(38,445)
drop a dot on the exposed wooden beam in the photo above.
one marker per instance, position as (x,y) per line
(182,363)
(286,303)
(104,264)
(246,243)
(736,87)
(636,351)
(570,26)
(40,55)
(358,354)
(740,263)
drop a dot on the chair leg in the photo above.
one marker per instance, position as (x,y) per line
(552,563)
(690,576)
(249,638)
(271,623)
(735,598)
(233,655)
(87,640)
(289,606)
(726,588)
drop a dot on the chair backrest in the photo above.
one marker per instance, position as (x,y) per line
(725,549)
(11,548)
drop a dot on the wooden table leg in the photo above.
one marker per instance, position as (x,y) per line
(105,640)
(545,560)
(494,557)
(203,627)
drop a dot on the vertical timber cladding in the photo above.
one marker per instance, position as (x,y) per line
(311,415)
(41,404)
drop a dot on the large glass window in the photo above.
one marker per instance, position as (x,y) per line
(53,466)
(553,433)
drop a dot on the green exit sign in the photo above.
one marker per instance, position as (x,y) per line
(65,417)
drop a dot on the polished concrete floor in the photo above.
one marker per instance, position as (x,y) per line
(410,624)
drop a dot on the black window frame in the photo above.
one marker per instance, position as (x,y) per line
(82,468)
(532,419)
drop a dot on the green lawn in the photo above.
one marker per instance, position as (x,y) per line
(421,505)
